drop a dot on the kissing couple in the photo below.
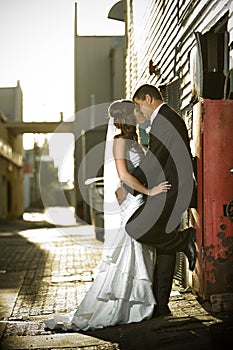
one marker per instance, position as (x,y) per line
(148,188)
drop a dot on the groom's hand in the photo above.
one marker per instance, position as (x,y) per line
(121,194)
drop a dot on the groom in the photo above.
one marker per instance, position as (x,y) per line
(156,222)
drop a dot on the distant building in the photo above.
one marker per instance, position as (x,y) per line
(99,79)
(99,70)
(42,187)
(11,154)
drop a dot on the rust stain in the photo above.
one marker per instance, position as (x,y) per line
(219,264)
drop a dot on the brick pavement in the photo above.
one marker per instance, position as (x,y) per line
(44,269)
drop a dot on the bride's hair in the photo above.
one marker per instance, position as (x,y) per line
(124,119)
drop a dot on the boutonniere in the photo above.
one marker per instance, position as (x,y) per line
(148,129)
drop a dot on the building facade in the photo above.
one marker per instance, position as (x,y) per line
(186,41)
(11,154)
(99,66)
(185,47)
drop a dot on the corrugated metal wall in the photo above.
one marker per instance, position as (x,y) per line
(163,30)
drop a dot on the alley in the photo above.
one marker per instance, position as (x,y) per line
(46,269)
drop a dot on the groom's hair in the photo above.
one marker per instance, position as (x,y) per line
(147,89)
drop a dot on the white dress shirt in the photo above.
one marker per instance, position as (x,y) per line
(155,113)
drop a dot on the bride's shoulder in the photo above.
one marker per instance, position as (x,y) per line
(119,145)
(118,139)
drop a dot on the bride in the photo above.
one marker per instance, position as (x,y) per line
(122,289)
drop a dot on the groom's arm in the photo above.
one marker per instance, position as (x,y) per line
(150,170)
(147,172)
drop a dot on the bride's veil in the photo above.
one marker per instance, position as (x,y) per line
(111,183)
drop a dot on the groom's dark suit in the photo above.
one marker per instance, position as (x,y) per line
(156,222)
(168,159)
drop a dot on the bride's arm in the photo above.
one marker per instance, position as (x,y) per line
(119,152)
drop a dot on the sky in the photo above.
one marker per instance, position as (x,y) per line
(36,44)
(37,48)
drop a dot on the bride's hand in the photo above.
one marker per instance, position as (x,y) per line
(121,194)
(162,187)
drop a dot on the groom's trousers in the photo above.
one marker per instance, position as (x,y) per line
(163,278)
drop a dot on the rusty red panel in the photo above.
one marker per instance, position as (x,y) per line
(198,278)
(215,235)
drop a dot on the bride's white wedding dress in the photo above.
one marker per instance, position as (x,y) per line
(122,289)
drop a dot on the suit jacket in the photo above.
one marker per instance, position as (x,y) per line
(168,159)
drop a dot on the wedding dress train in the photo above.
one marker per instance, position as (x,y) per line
(122,289)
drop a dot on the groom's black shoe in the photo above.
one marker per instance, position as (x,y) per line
(190,250)
(161,312)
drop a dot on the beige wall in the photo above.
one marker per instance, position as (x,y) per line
(99,70)
(99,79)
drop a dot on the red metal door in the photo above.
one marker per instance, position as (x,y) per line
(214,270)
